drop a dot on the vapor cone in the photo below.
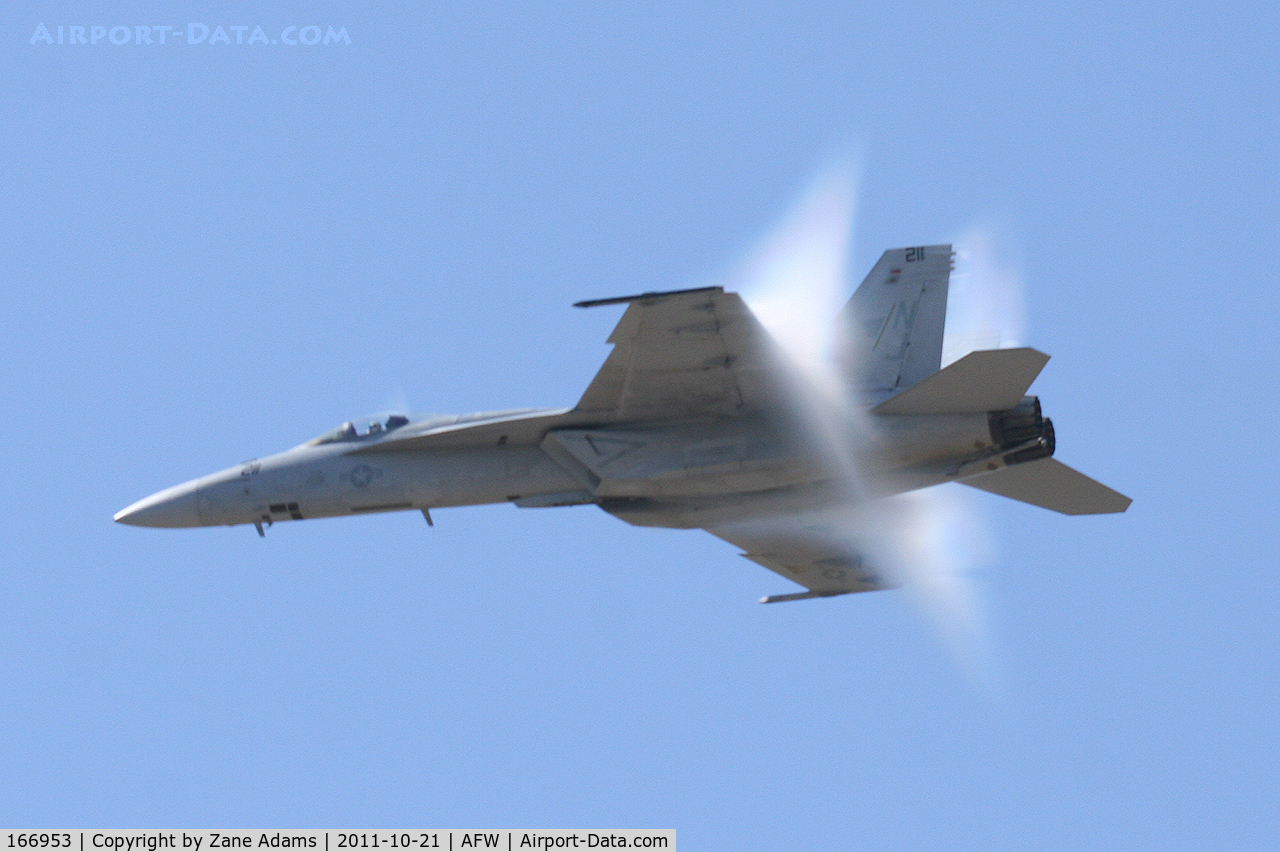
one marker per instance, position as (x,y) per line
(928,542)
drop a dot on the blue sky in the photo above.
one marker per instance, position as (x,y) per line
(217,251)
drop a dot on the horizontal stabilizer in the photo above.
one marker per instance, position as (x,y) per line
(988,380)
(1050,484)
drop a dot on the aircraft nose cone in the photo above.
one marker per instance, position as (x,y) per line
(172,507)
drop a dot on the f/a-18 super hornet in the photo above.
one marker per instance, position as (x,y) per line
(694,421)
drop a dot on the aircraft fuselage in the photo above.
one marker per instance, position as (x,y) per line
(677,472)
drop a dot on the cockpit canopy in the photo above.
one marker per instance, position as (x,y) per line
(369,427)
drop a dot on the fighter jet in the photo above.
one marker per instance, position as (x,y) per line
(696,421)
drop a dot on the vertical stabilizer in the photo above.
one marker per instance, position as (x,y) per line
(895,319)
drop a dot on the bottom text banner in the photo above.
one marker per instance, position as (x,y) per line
(333,840)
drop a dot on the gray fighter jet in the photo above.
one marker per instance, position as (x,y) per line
(696,421)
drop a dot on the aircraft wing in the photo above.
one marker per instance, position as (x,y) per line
(685,353)
(813,549)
